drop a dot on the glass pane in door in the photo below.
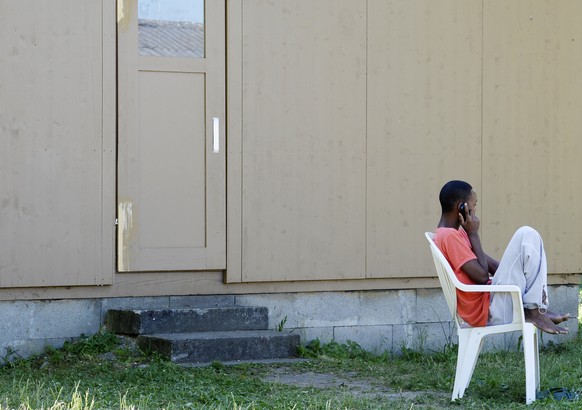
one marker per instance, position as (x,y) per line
(171,28)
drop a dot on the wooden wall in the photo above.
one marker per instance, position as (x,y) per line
(353,114)
(424,112)
(345,117)
(56,168)
(532,125)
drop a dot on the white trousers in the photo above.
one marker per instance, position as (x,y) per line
(523,264)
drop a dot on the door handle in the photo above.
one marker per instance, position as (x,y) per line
(215,135)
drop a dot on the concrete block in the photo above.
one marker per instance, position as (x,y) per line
(15,321)
(564,299)
(157,302)
(182,302)
(504,341)
(224,346)
(431,306)
(406,306)
(306,309)
(64,318)
(402,337)
(329,309)
(279,307)
(133,322)
(433,337)
(423,337)
(384,308)
(376,339)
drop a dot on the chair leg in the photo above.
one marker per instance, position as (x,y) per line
(463,343)
(531,356)
(537,356)
(470,342)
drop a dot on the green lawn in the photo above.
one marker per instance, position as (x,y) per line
(105,372)
(100,373)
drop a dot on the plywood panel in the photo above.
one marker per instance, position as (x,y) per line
(51,125)
(172,201)
(303,139)
(424,123)
(532,126)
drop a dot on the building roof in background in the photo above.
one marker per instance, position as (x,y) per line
(171,38)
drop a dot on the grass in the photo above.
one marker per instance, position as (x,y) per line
(103,372)
(99,372)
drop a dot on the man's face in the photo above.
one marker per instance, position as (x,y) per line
(472,202)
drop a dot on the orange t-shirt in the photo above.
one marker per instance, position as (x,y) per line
(473,307)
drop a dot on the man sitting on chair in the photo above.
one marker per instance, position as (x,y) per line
(523,264)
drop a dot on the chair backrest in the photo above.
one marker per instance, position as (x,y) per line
(450,283)
(447,277)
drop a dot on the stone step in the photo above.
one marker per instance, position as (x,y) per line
(135,322)
(206,347)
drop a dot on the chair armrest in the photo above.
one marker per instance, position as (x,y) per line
(513,290)
(488,288)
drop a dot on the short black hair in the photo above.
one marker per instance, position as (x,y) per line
(452,193)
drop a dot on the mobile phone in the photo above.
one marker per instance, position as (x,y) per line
(462,210)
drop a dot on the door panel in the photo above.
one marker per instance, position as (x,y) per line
(171,185)
(172,131)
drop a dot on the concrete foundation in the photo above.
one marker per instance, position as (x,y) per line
(379,321)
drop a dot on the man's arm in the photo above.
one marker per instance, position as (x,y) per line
(492,264)
(476,269)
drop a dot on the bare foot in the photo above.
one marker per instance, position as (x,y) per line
(557,317)
(543,322)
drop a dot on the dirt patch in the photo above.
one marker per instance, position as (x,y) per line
(356,385)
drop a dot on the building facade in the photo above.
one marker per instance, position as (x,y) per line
(281,153)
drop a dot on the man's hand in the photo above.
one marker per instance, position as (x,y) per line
(472,223)
(476,269)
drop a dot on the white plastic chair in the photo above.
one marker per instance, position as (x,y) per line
(471,338)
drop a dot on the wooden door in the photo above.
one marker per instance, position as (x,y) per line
(171,163)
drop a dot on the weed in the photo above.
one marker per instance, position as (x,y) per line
(101,342)
(449,331)
(448,354)
(552,347)
(54,355)
(10,355)
(313,349)
(410,354)
(217,365)
(348,350)
(281,325)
